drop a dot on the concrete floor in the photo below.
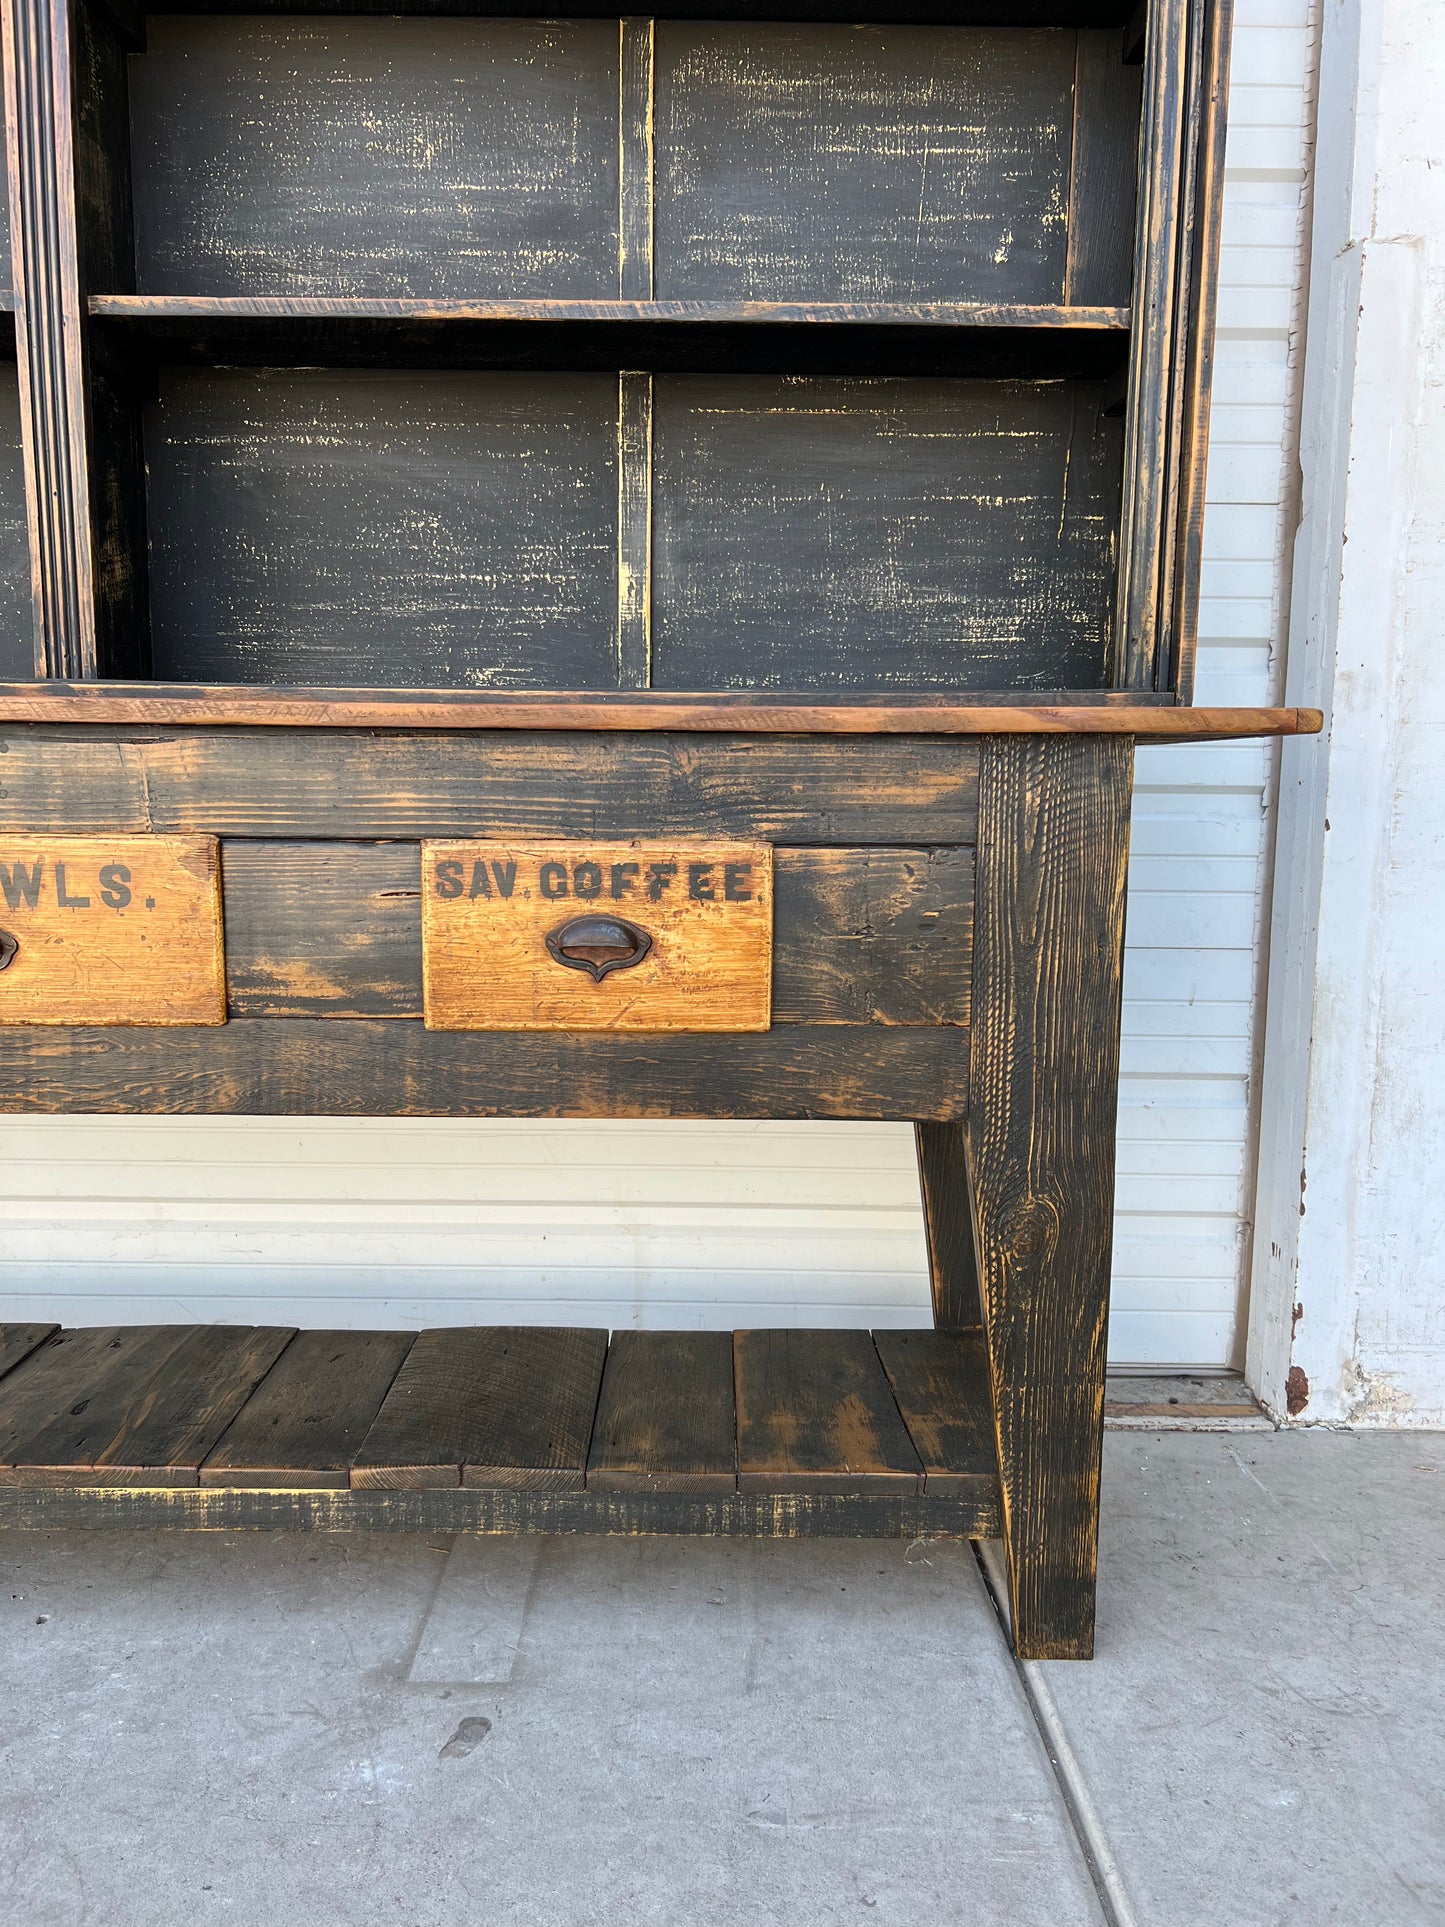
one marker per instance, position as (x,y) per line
(272,1728)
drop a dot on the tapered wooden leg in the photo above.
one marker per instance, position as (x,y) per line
(1044,1064)
(948,1221)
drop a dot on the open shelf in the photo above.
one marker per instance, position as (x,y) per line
(669,1429)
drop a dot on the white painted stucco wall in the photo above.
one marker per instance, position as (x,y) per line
(1349,1287)
(374,1223)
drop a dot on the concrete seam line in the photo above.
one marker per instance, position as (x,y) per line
(1088,1827)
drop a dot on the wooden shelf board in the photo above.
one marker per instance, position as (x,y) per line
(744,712)
(698,1425)
(874,314)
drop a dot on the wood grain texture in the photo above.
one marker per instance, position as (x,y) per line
(243,782)
(17,1342)
(1048,955)
(873,936)
(635,181)
(428,157)
(17,613)
(1212,87)
(665,1419)
(986,713)
(860,936)
(377,1068)
(910,533)
(63,1373)
(815,1412)
(458,529)
(304,1423)
(1152,405)
(948,1224)
(900,1514)
(39,121)
(154,1403)
(948,313)
(940,1380)
(489,909)
(798,161)
(322,929)
(1103,175)
(494,1406)
(634,529)
(111,930)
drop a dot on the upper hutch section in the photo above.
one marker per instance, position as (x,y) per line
(775,347)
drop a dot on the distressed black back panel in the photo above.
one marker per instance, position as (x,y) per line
(429,157)
(902,533)
(360,528)
(17,621)
(800,162)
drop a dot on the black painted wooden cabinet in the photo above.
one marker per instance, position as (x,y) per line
(809,347)
(770,422)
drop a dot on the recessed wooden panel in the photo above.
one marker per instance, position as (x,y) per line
(868,163)
(862,533)
(17,617)
(404,528)
(110,930)
(441,157)
(612,937)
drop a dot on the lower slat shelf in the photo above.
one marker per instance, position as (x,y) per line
(499,1429)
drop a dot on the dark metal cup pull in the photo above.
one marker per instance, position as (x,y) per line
(9,946)
(598,945)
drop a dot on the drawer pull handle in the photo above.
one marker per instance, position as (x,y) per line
(598,945)
(8,948)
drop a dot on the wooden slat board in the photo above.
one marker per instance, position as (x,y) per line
(142,1405)
(65,1372)
(769,185)
(499,1405)
(940,1380)
(405,526)
(306,1421)
(111,930)
(816,1413)
(520,1409)
(521,783)
(665,1420)
(700,916)
(902,1513)
(17,1342)
(408,156)
(375,1068)
(859,936)
(898,533)
(17,621)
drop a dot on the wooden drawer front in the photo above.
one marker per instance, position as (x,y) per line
(861,936)
(110,930)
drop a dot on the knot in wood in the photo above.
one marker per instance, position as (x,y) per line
(1029,1230)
